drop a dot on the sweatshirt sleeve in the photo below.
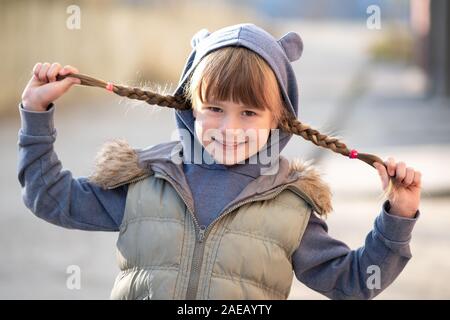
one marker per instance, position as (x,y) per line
(50,192)
(331,268)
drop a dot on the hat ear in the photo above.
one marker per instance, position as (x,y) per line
(198,36)
(292,45)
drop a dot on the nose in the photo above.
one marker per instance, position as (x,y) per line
(232,129)
(231,123)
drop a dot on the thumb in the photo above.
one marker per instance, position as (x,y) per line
(64,84)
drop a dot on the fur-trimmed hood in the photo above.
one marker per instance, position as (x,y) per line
(117,163)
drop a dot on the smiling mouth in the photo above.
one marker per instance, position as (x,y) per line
(228,145)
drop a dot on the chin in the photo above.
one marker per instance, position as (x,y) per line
(229,160)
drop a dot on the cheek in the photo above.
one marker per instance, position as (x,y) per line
(263,136)
(204,128)
(260,138)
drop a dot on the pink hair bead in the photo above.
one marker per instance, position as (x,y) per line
(353,154)
(109,86)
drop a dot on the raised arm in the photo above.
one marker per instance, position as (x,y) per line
(331,268)
(50,192)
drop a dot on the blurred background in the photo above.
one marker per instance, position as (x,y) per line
(374,73)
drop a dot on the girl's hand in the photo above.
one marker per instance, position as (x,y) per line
(404,197)
(42,89)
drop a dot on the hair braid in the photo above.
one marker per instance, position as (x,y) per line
(176,102)
(294,126)
(289,124)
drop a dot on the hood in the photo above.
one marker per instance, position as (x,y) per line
(277,53)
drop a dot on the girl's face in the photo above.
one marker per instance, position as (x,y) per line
(231,132)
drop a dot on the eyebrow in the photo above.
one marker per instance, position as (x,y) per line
(242,106)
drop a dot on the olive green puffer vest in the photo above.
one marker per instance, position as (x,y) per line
(244,254)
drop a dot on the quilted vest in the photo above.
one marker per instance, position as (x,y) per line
(244,254)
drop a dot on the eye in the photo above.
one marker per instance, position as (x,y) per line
(249,113)
(214,109)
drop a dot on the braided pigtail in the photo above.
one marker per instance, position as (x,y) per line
(176,102)
(294,126)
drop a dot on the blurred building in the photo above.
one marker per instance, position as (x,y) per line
(438,62)
(431,28)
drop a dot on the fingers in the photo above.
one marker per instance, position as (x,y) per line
(35,76)
(390,163)
(53,71)
(417,181)
(46,72)
(402,175)
(400,172)
(409,177)
(68,69)
(42,75)
(36,69)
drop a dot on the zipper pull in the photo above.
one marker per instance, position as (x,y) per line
(201,235)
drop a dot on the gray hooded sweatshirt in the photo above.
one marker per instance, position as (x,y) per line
(322,263)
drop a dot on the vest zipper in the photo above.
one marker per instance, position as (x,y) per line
(194,277)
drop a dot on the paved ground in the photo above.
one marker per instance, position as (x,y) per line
(388,118)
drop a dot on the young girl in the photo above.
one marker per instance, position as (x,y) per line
(218,214)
